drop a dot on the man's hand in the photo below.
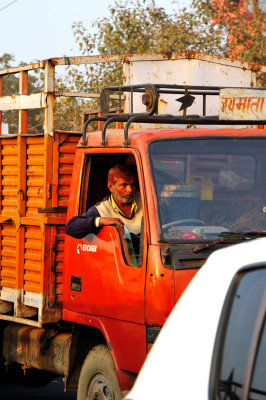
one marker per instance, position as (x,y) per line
(105,221)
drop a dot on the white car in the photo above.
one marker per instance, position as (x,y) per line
(213,345)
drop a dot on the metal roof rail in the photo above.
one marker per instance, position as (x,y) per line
(150,99)
(89,121)
(151,95)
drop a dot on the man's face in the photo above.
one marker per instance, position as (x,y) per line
(123,189)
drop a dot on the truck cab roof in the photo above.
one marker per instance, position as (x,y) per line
(115,137)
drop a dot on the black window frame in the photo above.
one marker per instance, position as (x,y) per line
(83,200)
(216,362)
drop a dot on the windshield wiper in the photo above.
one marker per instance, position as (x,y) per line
(228,236)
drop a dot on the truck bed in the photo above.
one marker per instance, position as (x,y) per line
(35,179)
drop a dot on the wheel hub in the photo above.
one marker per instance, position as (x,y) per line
(99,389)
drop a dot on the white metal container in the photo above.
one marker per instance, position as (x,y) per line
(187,68)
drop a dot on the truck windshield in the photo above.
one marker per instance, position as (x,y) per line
(205,187)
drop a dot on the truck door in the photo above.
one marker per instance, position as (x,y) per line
(102,274)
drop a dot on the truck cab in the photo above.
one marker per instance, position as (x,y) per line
(200,190)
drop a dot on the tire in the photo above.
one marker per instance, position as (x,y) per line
(98,378)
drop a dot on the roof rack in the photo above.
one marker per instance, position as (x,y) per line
(251,99)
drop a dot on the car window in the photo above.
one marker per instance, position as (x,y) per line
(258,383)
(238,336)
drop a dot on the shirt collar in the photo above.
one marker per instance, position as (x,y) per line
(134,208)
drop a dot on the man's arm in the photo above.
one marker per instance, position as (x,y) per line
(80,226)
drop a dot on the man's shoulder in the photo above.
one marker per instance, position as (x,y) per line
(104,200)
(104,206)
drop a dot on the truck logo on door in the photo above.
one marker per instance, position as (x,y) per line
(86,247)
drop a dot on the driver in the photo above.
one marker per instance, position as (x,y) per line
(121,207)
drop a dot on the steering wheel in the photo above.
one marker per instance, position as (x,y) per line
(192,221)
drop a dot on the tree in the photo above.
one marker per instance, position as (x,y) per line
(142,27)
(243,20)
(134,27)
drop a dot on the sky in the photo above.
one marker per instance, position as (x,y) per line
(40,29)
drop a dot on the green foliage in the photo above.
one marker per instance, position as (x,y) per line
(68,110)
(137,27)
(142,27)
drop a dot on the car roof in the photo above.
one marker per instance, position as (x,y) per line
(178,365)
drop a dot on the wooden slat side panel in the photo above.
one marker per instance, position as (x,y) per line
(8,271)
(33,260)
(60,239)
(35,176)
(66,160)
(9,170)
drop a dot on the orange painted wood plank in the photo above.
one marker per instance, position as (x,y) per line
(9,144)
(7,191)
(33,233)
(36,161)
(8,263)
(66,160)
(32,267)
(11,171)
(7,241)
(69,149)
(31,277)
(8,283)
(30,244)
(10,202)
(9,253)
(8,274)
(55,171)
(32,287)
(34,203)
(8,231)
(10,150)
(36,141)
(10,161)
(35,150)
(20,257)
(29,255)
(35,181)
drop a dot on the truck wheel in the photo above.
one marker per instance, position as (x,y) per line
(98,378)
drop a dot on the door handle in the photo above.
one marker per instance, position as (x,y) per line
(76,283)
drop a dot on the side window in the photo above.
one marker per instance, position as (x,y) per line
(239,331)
(95,189)
(257,388)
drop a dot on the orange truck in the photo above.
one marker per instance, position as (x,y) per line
(90,309)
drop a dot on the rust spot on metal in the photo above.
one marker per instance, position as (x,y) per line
(190,55)
(167,55)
